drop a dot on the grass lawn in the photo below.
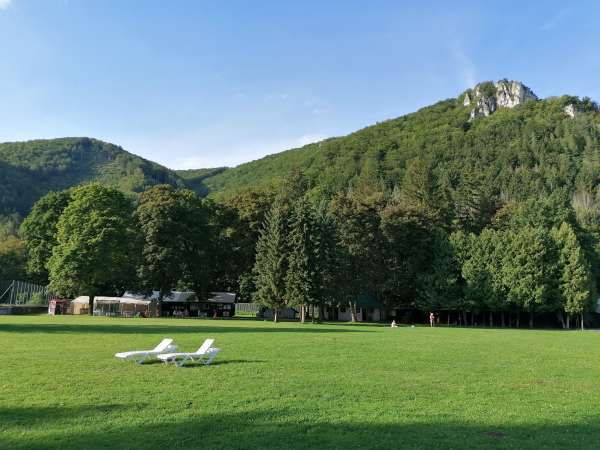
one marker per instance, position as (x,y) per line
(295,386)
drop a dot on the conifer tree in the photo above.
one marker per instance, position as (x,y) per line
(300,277)
(271,263)
(575,282)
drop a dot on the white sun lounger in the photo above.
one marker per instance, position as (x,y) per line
(139,356)
(204,354)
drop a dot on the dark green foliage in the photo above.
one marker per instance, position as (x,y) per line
(95,251)
(514,154)
(488,89)
(270,268)
(311,259)
(175,240)
(576,285)
(194,179)
(39,230)
(428,211)
(360,255)
(29,170)
(13,259)
(248,210)
(9,225)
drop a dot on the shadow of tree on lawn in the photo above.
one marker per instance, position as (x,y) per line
(160,329)
(276,428)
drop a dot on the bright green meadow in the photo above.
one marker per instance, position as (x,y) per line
(290,385)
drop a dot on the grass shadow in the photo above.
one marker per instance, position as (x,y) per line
(158,329)
(191,365)
(276,428)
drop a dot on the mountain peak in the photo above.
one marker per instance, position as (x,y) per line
(486,97)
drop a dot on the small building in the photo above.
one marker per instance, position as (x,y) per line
(58,306)
(112,306)
(121,307)
(80,305)
(368,309)
(187,304)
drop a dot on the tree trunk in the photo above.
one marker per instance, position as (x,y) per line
(568,321)
(582,321)
(302,313)
(530,319)
(561,317)
(275,313)
(465,323)
(321,312)
(353,311)
(91,305)
(312,313)
(448,318)
(518,319)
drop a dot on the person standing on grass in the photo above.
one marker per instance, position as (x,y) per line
(431,319)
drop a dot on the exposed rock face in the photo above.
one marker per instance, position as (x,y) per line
(488,97)
(467,100)
(571,110)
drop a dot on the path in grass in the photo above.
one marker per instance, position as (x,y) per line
(289,385)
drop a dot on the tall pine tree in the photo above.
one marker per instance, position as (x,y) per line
(271,263)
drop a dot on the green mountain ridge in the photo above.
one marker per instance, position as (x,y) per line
(29,170)
(529,149)
(532,147)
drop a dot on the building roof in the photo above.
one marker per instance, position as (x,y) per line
(120,300)
(180,297)
(84,300)
(222,297)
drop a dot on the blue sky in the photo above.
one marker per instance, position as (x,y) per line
(202,84)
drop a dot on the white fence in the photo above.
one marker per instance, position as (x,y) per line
(251,308)
(16,292)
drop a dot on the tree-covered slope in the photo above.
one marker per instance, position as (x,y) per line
(515,152)
(29,170)
(527,150)
(194,178)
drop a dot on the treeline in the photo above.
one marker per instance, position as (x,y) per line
(412,247)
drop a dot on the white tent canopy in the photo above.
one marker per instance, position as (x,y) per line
(121,300)
(84,300)
(177,296)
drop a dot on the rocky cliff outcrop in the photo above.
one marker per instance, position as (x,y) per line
(485,98)
(571,110)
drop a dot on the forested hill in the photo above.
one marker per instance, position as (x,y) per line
(29,170)
(495,141)
(500,139)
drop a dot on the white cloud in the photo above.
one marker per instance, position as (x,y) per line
(4,3)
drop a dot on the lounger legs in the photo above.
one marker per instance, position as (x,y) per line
(142,359)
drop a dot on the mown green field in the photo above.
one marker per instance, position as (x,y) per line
(296,386)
